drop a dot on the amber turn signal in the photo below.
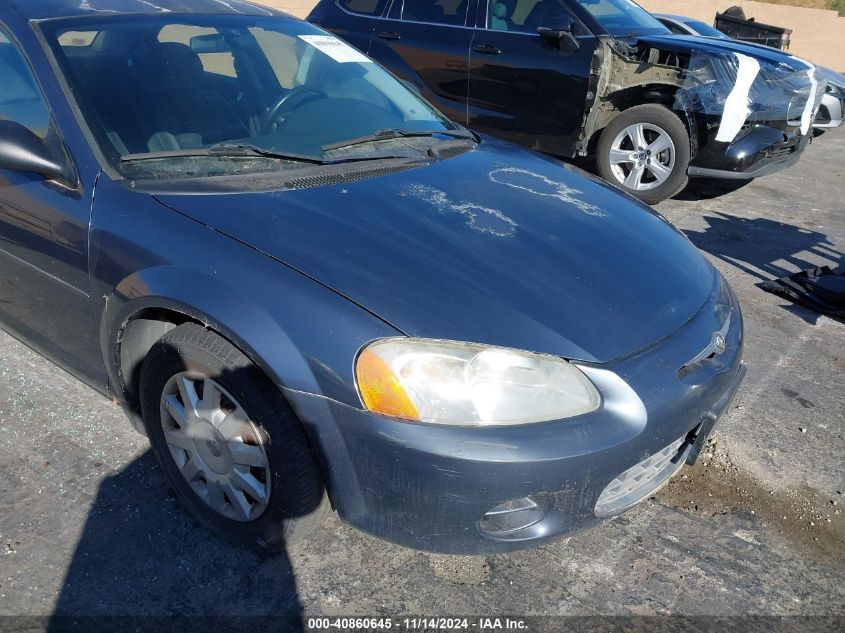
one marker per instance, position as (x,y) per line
(381,391)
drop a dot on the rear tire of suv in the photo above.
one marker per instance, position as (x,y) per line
(228,442)
(645,151)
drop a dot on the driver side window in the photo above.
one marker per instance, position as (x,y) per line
(525,16)
(20,97)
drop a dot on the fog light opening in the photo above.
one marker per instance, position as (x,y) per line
(515,515)
(643,479)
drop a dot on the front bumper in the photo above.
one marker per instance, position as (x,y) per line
(429,487)
(762,150)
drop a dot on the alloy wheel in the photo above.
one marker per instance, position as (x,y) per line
(217,448)
(642,156)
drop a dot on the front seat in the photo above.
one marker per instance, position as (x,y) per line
(187,110)
(501,14)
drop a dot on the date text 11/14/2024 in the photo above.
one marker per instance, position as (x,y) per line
(427,623)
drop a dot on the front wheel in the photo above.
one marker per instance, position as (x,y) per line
(228,442)
(646,152)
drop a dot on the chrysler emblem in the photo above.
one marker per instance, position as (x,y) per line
(717,346)
(214,448)
(719,343)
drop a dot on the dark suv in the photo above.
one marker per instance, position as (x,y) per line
(597,78)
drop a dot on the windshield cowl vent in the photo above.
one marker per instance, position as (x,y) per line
(350,175)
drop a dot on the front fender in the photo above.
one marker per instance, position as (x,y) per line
(197,296)
(145,256)
(303,335)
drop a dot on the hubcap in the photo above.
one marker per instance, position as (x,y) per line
(216,446)
(642,157)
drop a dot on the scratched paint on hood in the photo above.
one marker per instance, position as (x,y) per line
(541,185)
(478,217)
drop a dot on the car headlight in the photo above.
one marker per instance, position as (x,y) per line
(446,382)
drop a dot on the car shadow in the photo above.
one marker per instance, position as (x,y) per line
(763,248)
(142,563)
(709,189)
(767,249)
(809,315)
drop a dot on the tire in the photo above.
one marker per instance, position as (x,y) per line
(619,160)
(244,442)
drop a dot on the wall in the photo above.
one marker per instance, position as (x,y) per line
(818,35)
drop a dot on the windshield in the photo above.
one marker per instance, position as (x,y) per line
(164,88)
(705,29)
(623,18)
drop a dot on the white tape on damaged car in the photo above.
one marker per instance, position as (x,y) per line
(809,114)
(337,49)
(736,105)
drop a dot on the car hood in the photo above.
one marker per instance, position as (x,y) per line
(498,246)
(689,43)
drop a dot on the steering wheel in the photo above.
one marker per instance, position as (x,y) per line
(283,104)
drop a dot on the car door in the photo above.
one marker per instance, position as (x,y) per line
(521,87)
(44,284)
(426,42)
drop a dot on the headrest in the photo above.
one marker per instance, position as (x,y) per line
(178,62)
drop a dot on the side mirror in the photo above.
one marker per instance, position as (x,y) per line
(557,31)
(21,150)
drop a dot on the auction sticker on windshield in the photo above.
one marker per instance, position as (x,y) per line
(336,49)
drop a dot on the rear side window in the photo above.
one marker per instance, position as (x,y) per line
(20,98)
(451,12)
(364,7)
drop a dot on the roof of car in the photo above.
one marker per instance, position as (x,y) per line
(43,9)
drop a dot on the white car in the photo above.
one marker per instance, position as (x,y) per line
(832,106)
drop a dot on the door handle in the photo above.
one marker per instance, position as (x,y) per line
(486,49)
(389,35)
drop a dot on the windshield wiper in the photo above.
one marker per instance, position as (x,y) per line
(222,149)
(394,133)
